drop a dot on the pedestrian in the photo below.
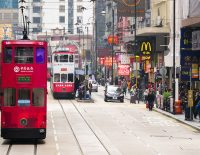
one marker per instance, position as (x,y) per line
(145,95)
(90,88)
(196,105)
(124,86)
(150,99)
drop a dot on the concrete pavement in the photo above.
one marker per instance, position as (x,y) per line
(195,123)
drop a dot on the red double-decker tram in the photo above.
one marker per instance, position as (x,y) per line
(24,89)
(63,73)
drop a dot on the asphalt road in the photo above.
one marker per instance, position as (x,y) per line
(103,128)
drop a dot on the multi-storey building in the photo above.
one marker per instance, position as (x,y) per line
(8,18)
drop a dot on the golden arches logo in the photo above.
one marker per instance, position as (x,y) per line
(146,46)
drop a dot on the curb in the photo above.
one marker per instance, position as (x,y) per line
(171,116)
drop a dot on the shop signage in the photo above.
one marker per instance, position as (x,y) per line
(123,70)
(190,61)
(108,61)
(113,39)
(126,8)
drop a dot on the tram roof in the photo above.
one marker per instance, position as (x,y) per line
(24,42)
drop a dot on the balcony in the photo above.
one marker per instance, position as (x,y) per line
(148,27)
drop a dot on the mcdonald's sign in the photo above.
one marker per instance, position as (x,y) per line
(146,48)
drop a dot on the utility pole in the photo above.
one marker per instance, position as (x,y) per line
(174,63)
(135,42)
(113,25)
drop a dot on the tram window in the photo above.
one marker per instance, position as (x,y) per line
(71,58)
(70,77)
(38,97)
(39,55)
(64,77)
(24,97)
(56,77)
(7,55)
(24,55)
(9,97)
(63,58)
(56,58)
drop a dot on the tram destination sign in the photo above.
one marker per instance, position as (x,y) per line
(23,79)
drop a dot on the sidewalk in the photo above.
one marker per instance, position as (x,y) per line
(179,117)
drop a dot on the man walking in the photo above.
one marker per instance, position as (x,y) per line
(150,99)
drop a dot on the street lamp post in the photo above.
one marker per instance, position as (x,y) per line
(136,57)
(113,24)
(174,64)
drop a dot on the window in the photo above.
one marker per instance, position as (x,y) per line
(61,8)
(36,0)
(7,55)
(36,19)
(56,58)
(62,0)
(9,97)
(36,9)
(70,77)
(79,8)
(62,19)
(40,55)
(79,19)
(23,97)
(57,77)
(24,55)
(71,58)
(63,58)
(38,97)
(64,77)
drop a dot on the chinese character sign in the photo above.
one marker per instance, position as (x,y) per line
(123,70)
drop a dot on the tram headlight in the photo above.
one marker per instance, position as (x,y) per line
(23,122)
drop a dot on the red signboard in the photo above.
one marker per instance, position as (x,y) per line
(108,61)
(113,39)
(124,70)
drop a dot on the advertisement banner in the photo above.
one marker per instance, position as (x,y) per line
(190,60)
(126,8)
(123,70)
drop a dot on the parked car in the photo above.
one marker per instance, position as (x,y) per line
(94,85)
(113,93)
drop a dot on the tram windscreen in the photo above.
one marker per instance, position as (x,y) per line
(9,97)
(57,77)
(38,97)
(24,55)
(24,97)
(70,77)
(7,55)
(40,55)
(64,77)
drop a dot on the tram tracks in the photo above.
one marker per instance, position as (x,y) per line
(88,126)
(18,145)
